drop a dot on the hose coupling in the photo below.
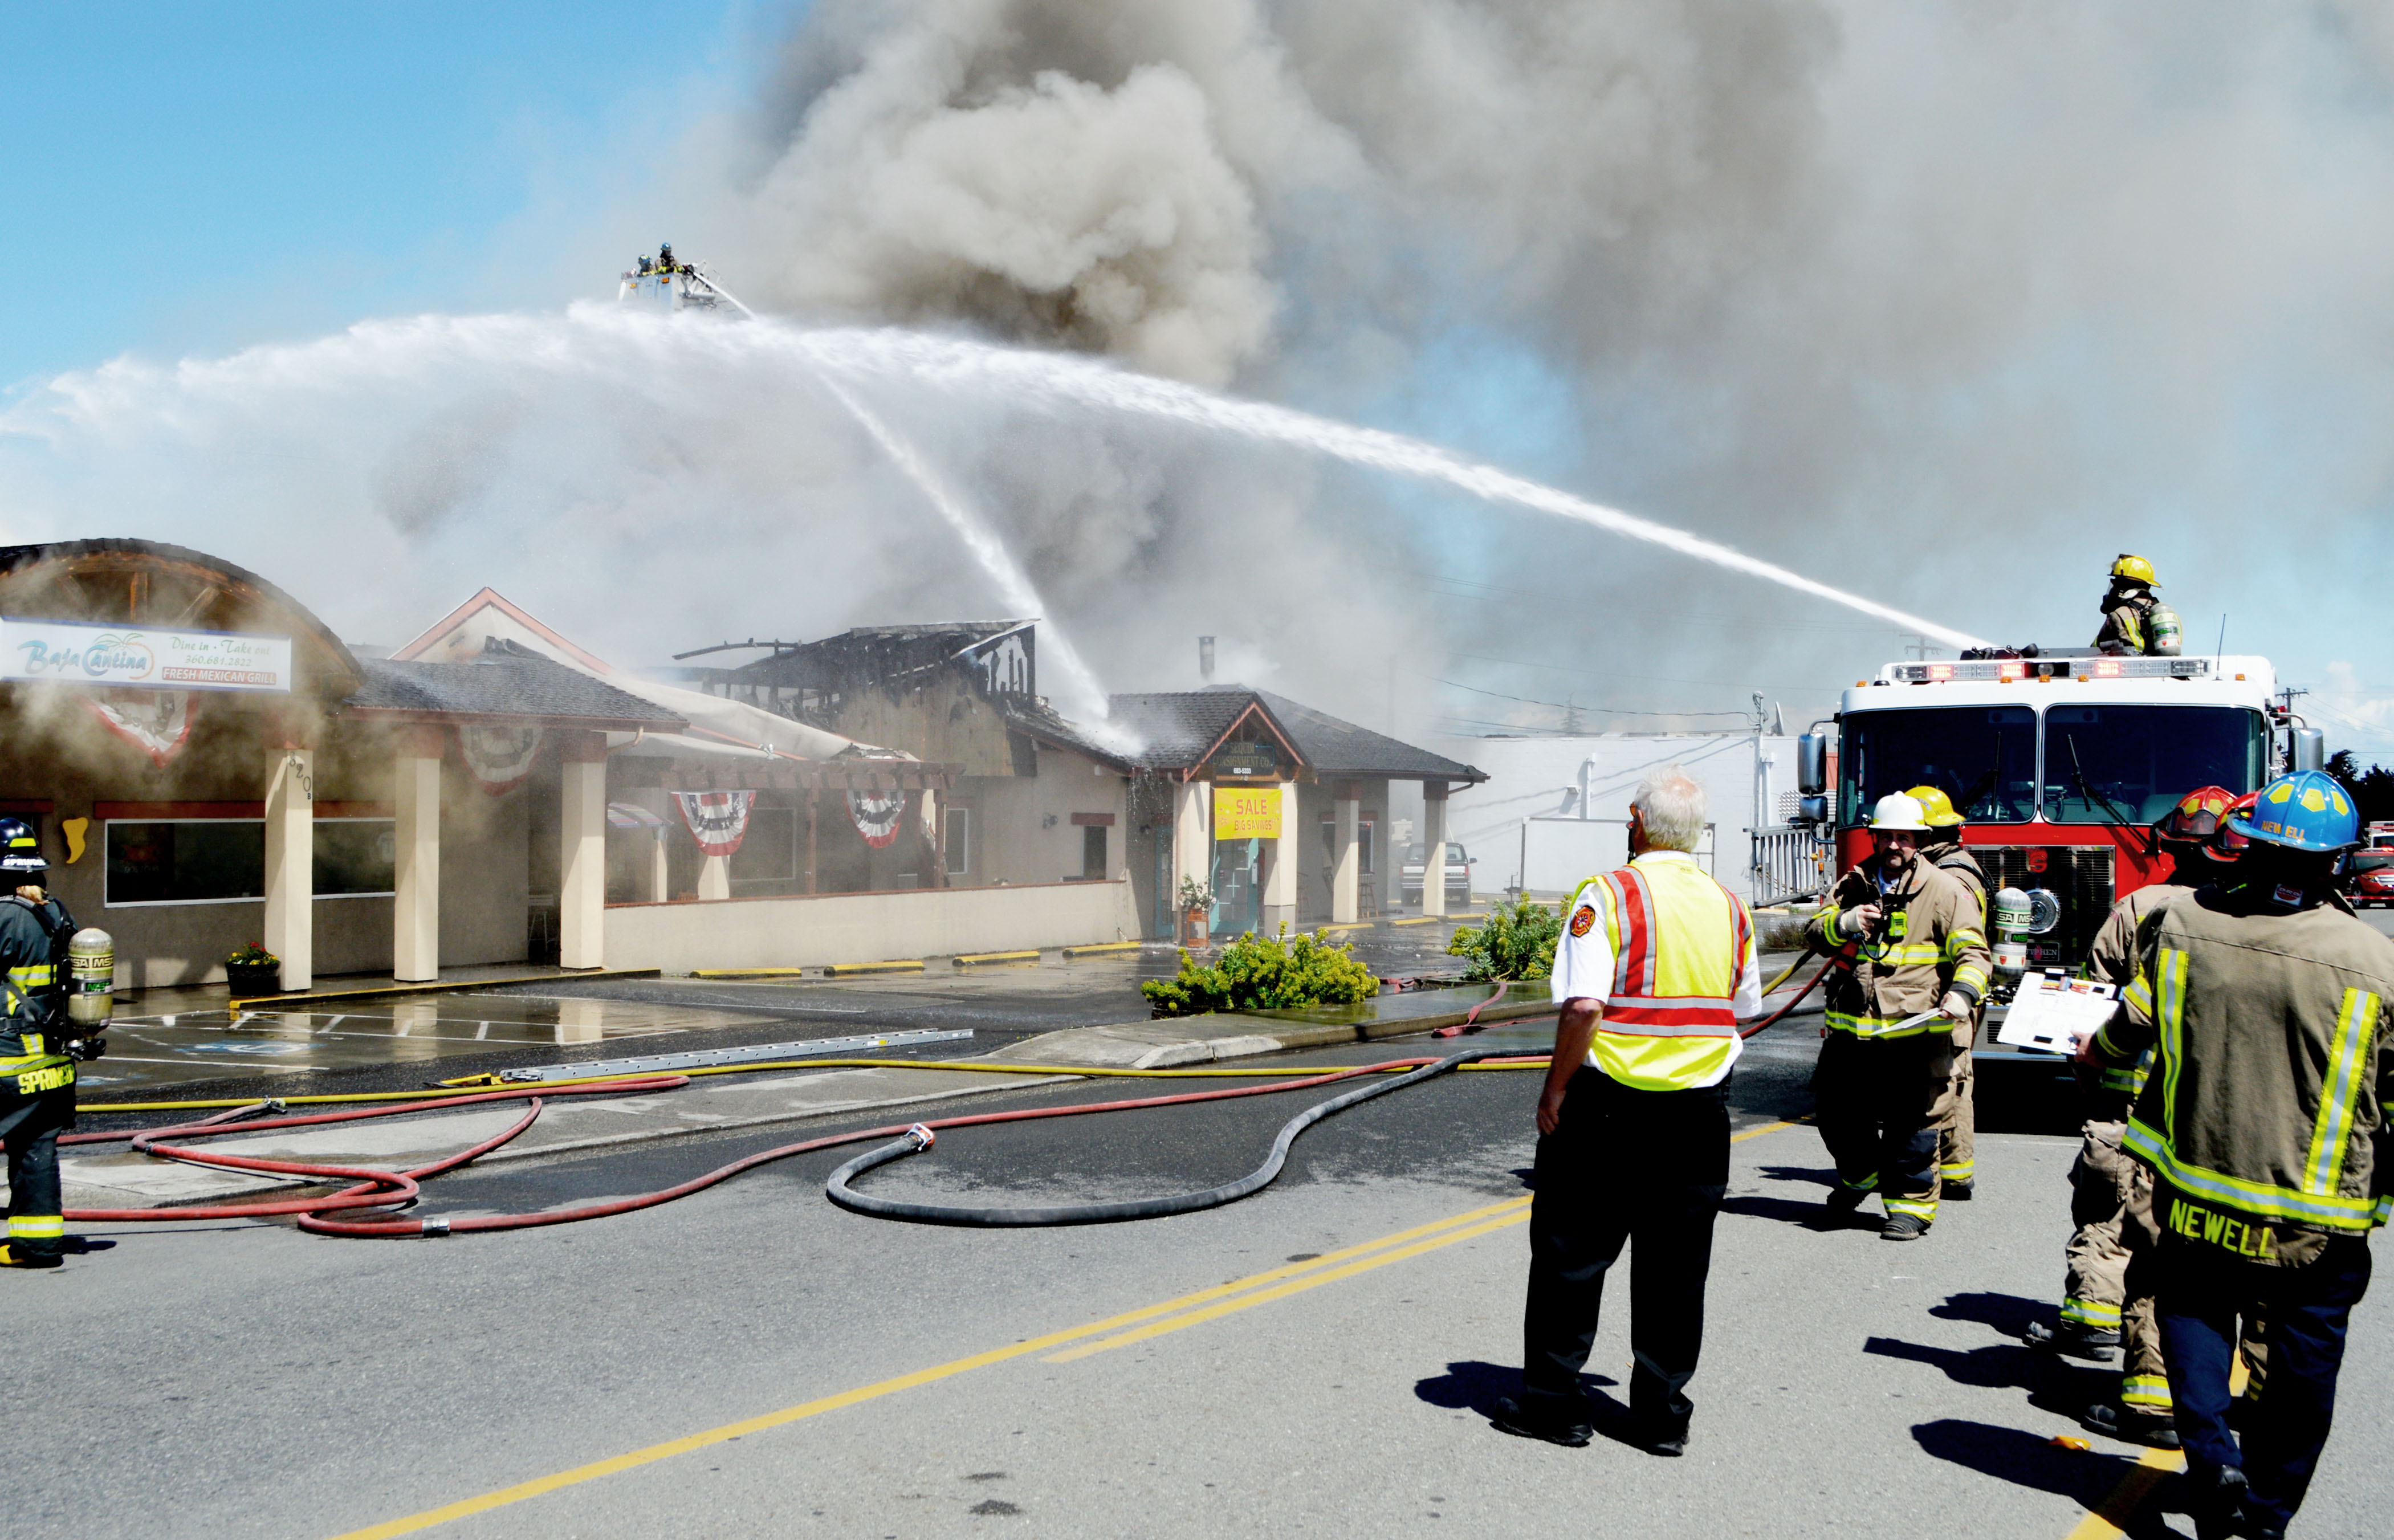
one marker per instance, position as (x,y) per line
(921,1136)
(276,1106)
(434,1227)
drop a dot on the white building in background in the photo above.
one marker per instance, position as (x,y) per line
(1555,810)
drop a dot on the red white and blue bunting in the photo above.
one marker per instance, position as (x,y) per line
(158,722)
(498,757)
(718,820)
(877,815)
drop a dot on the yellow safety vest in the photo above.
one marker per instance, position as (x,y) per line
(1679,942)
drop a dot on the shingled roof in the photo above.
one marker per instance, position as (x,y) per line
(511,685)
(1179,728)
(1338,747)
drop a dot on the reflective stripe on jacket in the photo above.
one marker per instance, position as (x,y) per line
(2270,1028)
(1682,949)
(1929,941)
(2112,959)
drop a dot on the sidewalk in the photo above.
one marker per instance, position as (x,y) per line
(124,1179)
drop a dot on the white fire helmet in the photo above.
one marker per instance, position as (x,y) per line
(1896,811)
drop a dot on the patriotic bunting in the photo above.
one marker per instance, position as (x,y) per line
(718,820)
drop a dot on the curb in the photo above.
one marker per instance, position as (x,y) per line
(747,973)
(849,970)
(980,959)
(395,992)
(1106,949)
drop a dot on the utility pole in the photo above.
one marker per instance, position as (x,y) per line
(1919,648)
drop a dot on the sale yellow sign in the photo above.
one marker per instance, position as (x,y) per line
(1246,812)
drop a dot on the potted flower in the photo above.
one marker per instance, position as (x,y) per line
(1196,903)
(254,970)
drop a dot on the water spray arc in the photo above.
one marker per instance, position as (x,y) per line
(1081,686)
(1063,378)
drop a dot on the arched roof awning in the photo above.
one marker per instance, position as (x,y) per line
(171,589)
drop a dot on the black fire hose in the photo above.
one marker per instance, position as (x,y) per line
(919,1139)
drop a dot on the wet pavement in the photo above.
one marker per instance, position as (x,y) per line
(188,1040)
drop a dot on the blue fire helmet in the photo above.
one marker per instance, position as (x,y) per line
(20,849)
(2307,810)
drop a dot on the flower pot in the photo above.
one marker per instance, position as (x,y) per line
(254,978)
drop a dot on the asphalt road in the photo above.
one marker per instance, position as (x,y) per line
(903,1381)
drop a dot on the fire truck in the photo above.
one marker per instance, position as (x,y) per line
(2061,760)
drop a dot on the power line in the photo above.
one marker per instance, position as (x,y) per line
(1561,705)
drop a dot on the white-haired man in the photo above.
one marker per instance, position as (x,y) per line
(1656,965)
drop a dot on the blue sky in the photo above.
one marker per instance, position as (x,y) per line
(197,178)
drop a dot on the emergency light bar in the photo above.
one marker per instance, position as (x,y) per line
(2000,670)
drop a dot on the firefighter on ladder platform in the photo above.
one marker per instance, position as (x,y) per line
(38,1049)
(1907,963)
(1957,1136)
(2097,1313)
(2263,1122)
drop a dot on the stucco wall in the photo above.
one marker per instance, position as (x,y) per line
(862,928)
(1009,842)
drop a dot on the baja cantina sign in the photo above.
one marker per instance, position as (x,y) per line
(123,656)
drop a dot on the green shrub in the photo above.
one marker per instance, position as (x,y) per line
(1517,942)
(1253,973)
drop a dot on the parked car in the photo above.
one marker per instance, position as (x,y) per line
(1458,874)
(2369,878)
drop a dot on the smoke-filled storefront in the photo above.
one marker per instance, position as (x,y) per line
(210,769)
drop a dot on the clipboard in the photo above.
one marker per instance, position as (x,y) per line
(2051,1014)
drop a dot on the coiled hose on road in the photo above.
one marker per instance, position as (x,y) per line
(371,1188)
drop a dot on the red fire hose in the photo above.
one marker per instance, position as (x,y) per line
(372,1189)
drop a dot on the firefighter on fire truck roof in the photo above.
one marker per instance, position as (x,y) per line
(1908,961)
(2264,1125)
(2134,620)
(1957,1137)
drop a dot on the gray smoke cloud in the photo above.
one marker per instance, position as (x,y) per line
(1999,289)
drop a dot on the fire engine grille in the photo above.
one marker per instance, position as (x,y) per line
(2081,876)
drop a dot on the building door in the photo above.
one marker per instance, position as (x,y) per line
(1237,887)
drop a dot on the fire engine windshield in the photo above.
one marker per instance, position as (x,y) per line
(1984,757)
(2130,763)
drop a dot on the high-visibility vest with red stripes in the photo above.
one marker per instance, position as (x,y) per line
(1679,941)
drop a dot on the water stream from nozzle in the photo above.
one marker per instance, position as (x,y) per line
(1060,379)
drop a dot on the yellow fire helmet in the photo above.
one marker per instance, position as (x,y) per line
(2134,568)
(1936,808)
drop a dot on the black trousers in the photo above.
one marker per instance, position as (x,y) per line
(32,1124)
(1878,1101)
(2198,1295)
(1644,1167)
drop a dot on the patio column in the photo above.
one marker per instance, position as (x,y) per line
(660,869)
(1193,838)
(1347,870)
(415,909)
(1279,879)
(581,849)
(714,877)
(1433,847)
(291,863)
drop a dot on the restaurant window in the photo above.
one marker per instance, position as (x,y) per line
(768,852)
(1093,853)
(223,860)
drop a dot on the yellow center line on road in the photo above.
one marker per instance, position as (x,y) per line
(2111,1518)
(1272,1283)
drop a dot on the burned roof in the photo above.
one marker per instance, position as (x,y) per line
(1039,720)
(1181,727)
(879,654)
(506,683)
